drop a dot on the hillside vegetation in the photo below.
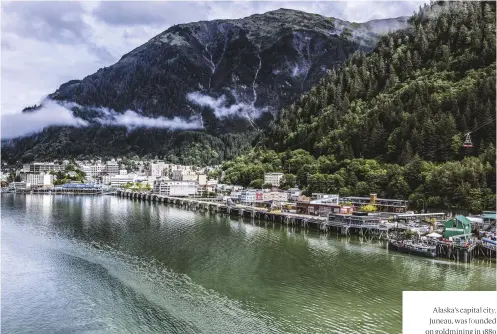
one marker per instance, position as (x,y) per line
(418,92)
(393,122)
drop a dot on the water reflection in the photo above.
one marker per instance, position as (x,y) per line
(228,275)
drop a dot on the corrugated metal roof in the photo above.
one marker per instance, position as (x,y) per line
(463,219)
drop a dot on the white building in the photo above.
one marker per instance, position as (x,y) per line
(326,198)
(41,179)
(184,175)
(276,196)
(106,179)
(294,193)
(159,169)
(121,180)
(42,167)
(123,172)
(112,168)
(273,178)
(247,196)
(202,179)
(175,188)
(19,185)
(94,170)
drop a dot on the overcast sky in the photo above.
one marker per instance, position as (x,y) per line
(45,44)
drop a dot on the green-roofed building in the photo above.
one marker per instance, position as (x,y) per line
(457,225)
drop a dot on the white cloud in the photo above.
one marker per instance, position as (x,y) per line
(220,108)
(131,120)
(45,44)
(21,124)
(59,113)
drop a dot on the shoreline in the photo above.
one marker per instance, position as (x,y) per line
(304,222)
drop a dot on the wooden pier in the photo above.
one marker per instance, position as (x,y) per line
(215,207)
(367,227)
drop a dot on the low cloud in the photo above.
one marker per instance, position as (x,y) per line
(60,114)
(132,120)
(23,124)
(220,109)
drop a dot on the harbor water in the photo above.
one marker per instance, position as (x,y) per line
(104,264)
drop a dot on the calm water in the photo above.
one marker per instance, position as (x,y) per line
(111,265)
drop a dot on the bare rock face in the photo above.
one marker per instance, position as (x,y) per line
(258,64)
(232,74)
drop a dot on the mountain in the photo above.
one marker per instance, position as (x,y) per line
(223,77)
(393,122)
(419,92)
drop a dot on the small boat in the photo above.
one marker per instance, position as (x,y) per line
(409,247)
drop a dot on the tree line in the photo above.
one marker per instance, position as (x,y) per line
(465,184)
(419,92)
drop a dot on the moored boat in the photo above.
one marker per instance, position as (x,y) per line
(410,247)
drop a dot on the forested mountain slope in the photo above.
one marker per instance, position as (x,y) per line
(418,92)
(228,78)
(393,122)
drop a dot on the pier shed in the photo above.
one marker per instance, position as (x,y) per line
(489,217)
(458,225)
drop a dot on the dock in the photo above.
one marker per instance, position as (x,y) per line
(214,206)
(369,227)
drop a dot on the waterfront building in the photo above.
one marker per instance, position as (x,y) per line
(78,188)
(39,180)
(121,180)
(250,196)
(277,196)
(112,168)
(175,188)
(273,178)
(294,193)
(458,225)
(211,186)
(489,218)
(247,196)
(356,219)
(381,204)
(323,207)
(22,185)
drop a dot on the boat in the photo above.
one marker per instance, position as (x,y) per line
(414,248)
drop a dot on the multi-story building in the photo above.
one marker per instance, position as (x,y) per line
(294,193)
(123,172)
(202,179)
(37,180)
(251,196)
(42,167)
(121,180)
(184,175)
(175,188)
(112,168)
(94,170)
(276,196)
(273,178)
(159,169)
(211,186)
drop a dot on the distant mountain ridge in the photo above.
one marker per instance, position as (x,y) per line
(233,75)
